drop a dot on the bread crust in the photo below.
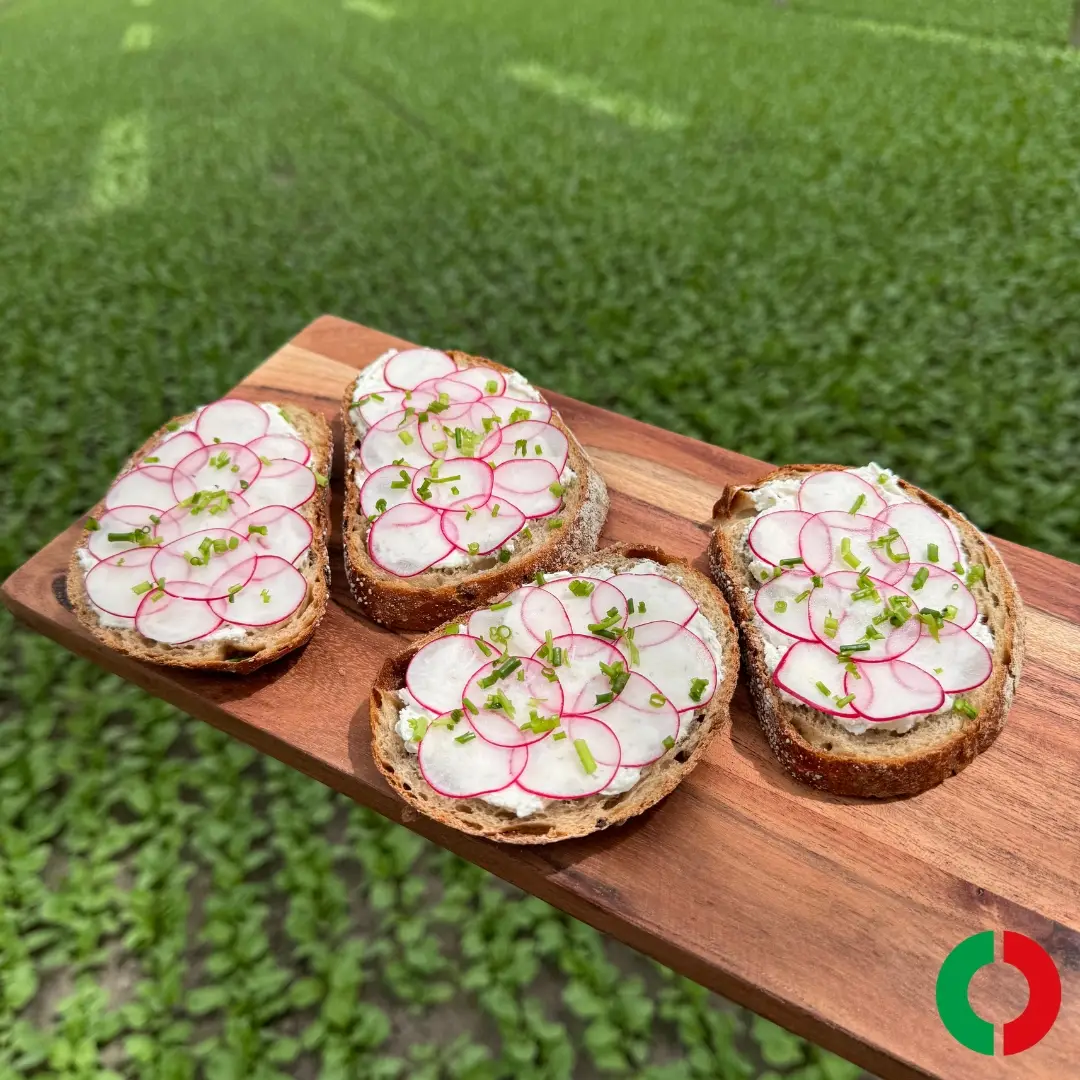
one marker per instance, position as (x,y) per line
(260,647)
(433,597)
(788,728)
(561,819)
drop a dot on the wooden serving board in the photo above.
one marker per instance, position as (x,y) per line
(830,916)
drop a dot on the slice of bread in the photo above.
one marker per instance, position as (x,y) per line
(813,746)
(259,646)
(434,596)
(562,819)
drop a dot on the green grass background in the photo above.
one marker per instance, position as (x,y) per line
(771,227)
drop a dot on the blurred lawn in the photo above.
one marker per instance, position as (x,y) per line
(821,231)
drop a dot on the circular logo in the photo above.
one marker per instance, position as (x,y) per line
(964,1023)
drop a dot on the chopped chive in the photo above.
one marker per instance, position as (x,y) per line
(505,555)
(832,625)
(265,594)
(92,525)
(815,581)
(603,699)
(558,736)
(958,567)
(380,505)
(549,674)
(502,606)
(470,706)
(581,588)
(780,606)
(172,427)
(668,742)
(539,578)
(657,701)
(976,573)
(802,596)
(474,548)
(523,446)
(405,437)
(965,708)
(234,542)
(467,737)
(453,628)
(931,553)
(151,460)
(557,490)
(439,447)
(500,634)
(120,537)
(482,647)
(938,670)
(555,523)
(842,701)
(857,505)
(919,580)
(765,575)
(495,510)
(491,386)
(858,646)
(518,415)
(697,688)
(588,762)
(948,613)
(790,562)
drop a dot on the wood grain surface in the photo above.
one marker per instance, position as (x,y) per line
(829,916)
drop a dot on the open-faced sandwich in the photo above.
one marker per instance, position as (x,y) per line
(209,549)
(882,634)
(461,481)
(563,707)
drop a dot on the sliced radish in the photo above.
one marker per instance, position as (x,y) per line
(655,597)
(150,485)
(673,657)
(281,483)
(111,583)
(821,545)
(894,690)
(219,467)
(527,691)
(408,539)
(288,535)
(839,490)
(439,433)
(957,660)
(409,368)
(121,519)
(521,440)
(803,667)
(463,768)
(775,536)
(640,721)
(395,437)
(280,446)
(855,617)
(463,482)
(589,609)
(449,391)
(379,485)
(794,619)
(920,527)
(222,513)
(528,485)
(520,408)
(482,530)
(375,406)
(504,617)
(582,657)
(556,769)
(481,378)
(440,670)
(541,612)
(275,592)
(941,589)
(172,451)
(174,620)
(231,420)
(173,564)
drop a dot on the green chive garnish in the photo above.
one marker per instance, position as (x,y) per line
(588,762)
(857,505)
(919,580)
(931,553)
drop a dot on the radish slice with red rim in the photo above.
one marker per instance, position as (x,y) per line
(837,489)
(410,367)
(794,618)
(288,535)
(172,451)
(183,578)
(464,768)
(507,407)
(582,657)
(111,584)
(894,690)
(958,660)
(775,535)
(280,446)
(219,467)
(465,481)
(123,520)
(527,691)
(173,620)
(222,513)
(821,545)
(854,618)
(806,665)
(505,618)
(380,485)
(439,433)
(456,393)
(395,437)
(521,441)
(407,539)
(231,420)
(528,485)
(658,595)
(281,483)
(374,406)
(641,721)
(274,593)
(482,526)
(673,658)
(150,485)
(540,612)
(919,526)
(589,609)
(440,670)
(941,589)
(556,767)
(481,378)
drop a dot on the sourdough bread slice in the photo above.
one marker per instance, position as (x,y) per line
(258,646)
(814,747)
(562,819)
(436,595)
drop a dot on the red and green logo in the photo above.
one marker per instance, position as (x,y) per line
(1044,992)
